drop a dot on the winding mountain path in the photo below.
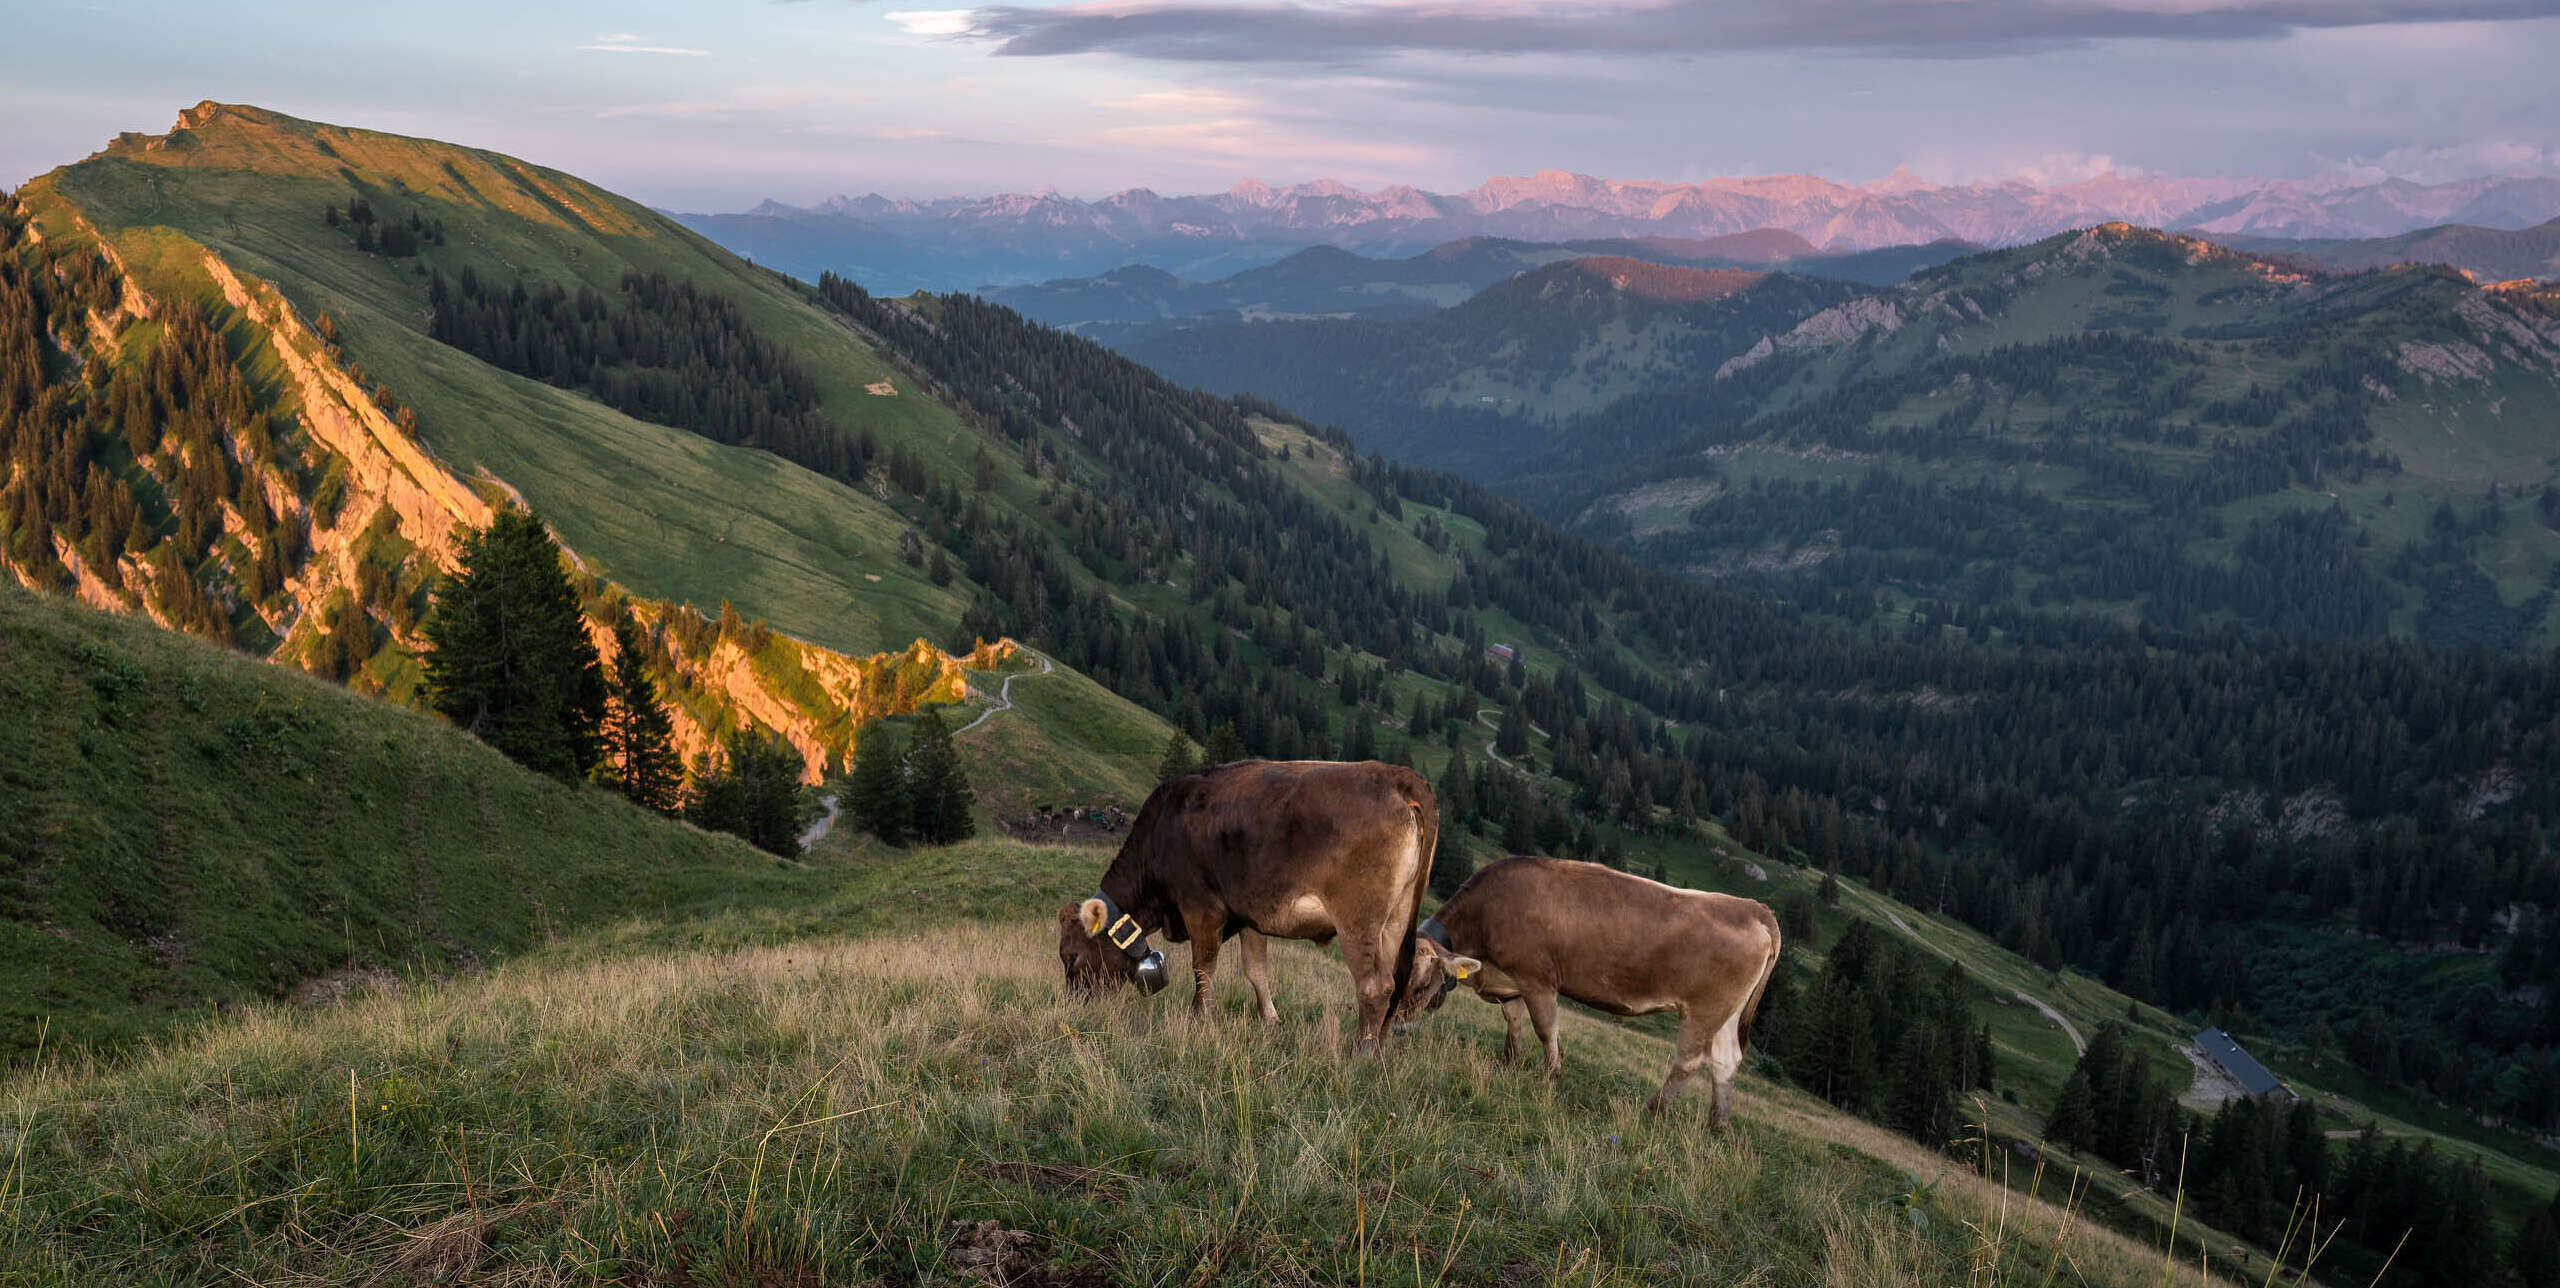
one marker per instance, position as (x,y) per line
(1003,702)
(818,830)
(2079,1045)
(1492,719)
(1004,697)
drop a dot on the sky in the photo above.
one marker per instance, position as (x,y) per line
(710,107)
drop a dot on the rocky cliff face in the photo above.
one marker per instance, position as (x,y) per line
(358,517)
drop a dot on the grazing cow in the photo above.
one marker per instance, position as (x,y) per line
(1524,930)
(1293,849)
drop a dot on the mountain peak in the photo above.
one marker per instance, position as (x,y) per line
(244,139)
(1903,179)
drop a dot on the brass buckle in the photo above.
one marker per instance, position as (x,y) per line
(1120,940)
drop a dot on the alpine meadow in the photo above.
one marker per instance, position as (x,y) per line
(1730,728)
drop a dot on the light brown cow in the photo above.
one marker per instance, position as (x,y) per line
(1524,930)
(1293,849)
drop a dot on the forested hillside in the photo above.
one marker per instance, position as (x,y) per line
(1477,386)
(2122,424)
(1329,282)
(2115,423)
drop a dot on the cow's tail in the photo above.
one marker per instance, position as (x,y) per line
(1751,1004)
(1426,846)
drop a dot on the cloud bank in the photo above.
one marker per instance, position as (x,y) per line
(1367,29)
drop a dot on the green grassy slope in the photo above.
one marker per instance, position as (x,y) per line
(667,513)
(661,512)
(187,828)
(1065,740)
(877,1076)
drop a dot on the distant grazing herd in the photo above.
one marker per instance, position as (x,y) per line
(1320,850)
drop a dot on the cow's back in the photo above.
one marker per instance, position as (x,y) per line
(1608,938)
(1260,836)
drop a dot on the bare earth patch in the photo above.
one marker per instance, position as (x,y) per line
(881,389)
(988,1253)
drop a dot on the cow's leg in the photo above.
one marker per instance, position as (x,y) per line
(1257,972)
(1205,933)
(1688,1055)
(1542,1017)
(1718,1051)
(1373,979)
(1512,1010)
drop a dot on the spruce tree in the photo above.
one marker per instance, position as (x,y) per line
(877,794)
(1798,924)
(639,740)
(2535,1254)
(508,656)
(938,794)
(714,799)
(754,792)
(2074,1120)
(1359,736)
(1225,746)
(1452,865)
(1457,788)
(1177,759)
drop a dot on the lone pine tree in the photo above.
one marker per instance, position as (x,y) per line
(938,793)
(877,796)
(639,740)
(1225,746)
(1177,759)
(508,656)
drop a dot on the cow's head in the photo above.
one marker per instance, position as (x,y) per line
(1436,971)
(1094,962)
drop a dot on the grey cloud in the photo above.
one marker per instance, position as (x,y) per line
(1265,33)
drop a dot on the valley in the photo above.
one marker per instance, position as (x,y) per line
(2118,424)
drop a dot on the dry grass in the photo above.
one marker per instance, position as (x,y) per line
(861,1109)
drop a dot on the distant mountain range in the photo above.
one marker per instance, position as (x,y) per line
(2118,421)
(1483,385)
(962,242)
(1327,281)
(2489,254)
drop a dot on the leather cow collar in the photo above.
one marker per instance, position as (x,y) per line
(1432,930)
(1122,931)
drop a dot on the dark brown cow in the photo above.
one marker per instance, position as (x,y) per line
(1302,849)
(1524,930)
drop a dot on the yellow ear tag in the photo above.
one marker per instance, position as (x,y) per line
(1461,970)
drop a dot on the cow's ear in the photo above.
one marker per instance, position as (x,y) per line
(1464,967)
(1091,915)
